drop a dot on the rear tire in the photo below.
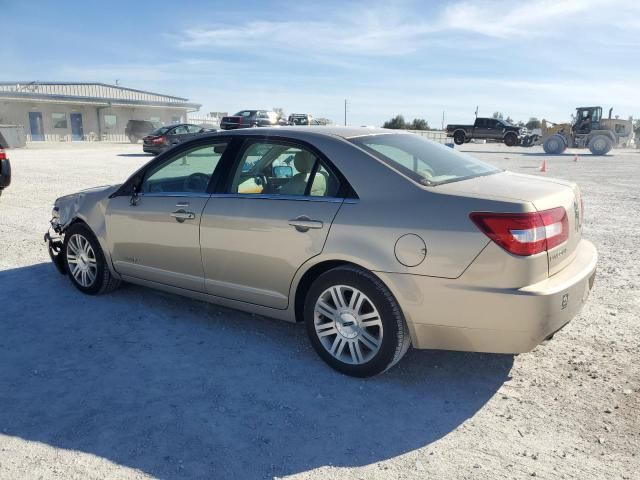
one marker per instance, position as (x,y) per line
(600,145)
(354,322)
(554,145)
(85,261)
(510,139)
(459,138)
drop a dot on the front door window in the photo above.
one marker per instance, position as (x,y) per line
(188,172)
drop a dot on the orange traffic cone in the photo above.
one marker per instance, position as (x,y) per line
(575,157)
(543,167)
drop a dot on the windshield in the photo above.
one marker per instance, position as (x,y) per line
(160,131)
(422,160)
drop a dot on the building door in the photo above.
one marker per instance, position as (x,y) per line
(76,126)
(37,129)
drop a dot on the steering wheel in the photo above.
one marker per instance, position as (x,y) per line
(196,182)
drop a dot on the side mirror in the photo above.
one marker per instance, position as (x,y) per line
(282,171)
(5,173)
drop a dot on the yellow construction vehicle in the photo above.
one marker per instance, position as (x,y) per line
(589,130)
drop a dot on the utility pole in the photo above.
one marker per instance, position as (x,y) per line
(346,103)
(443,120)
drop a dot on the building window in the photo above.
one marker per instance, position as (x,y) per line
(59,120)
(110,121)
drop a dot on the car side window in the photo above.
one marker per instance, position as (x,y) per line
(180,130)
(187,172)
(282,169)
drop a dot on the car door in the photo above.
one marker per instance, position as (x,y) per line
(176,135)
(272,216)
(155,235)
(481,129)
(497,129)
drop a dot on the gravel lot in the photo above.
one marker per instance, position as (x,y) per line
(140,384)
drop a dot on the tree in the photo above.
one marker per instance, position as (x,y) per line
(510,121)
(419,124)
(498,115)
(396,123)
(279,111)
(533,123)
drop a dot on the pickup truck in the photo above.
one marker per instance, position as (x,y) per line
(491,129)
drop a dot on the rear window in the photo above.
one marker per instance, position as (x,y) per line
(161,131)
(422,160)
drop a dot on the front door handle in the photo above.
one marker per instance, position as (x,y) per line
(181,215)
(304,223)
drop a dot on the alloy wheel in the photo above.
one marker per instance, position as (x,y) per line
(348,324)
(81,259)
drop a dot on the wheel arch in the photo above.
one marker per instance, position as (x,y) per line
(78,218)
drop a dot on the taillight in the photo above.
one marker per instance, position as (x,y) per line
(3,155)
(158,140)
(240,120)
(525,233)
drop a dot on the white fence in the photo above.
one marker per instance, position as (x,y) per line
(437,136)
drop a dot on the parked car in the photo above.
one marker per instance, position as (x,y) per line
(490,129)
(5,170)
(376,240)
(300,119)
(169,136)
(249,118)
(136,130)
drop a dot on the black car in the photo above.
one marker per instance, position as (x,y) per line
(166,137)
(138,129)
(249,118)
(5,170)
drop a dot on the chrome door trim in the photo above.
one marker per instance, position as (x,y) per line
(264,196)
(174,194)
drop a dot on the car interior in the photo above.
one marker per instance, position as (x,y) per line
(282,169)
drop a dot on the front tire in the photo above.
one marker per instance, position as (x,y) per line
(354,323)
(510,139)
(85,261)
(554,145)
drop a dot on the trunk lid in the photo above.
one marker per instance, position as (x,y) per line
(542,193)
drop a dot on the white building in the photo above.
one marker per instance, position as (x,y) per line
(65,111)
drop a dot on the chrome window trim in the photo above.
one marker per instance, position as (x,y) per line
(264,196)
(175,194)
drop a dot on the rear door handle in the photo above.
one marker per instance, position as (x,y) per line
(304,223)
(181,215)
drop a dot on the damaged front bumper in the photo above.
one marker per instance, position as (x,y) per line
(55,241)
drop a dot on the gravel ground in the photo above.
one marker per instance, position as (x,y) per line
(140,384)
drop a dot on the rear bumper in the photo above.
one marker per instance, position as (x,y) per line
(446,314)
(152,149)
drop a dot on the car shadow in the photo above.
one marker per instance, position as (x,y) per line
(184,389)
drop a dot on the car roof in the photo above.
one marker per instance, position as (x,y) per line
(311,131)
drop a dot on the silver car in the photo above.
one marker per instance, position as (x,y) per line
(376,240)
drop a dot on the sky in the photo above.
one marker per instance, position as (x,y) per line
(536,58)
